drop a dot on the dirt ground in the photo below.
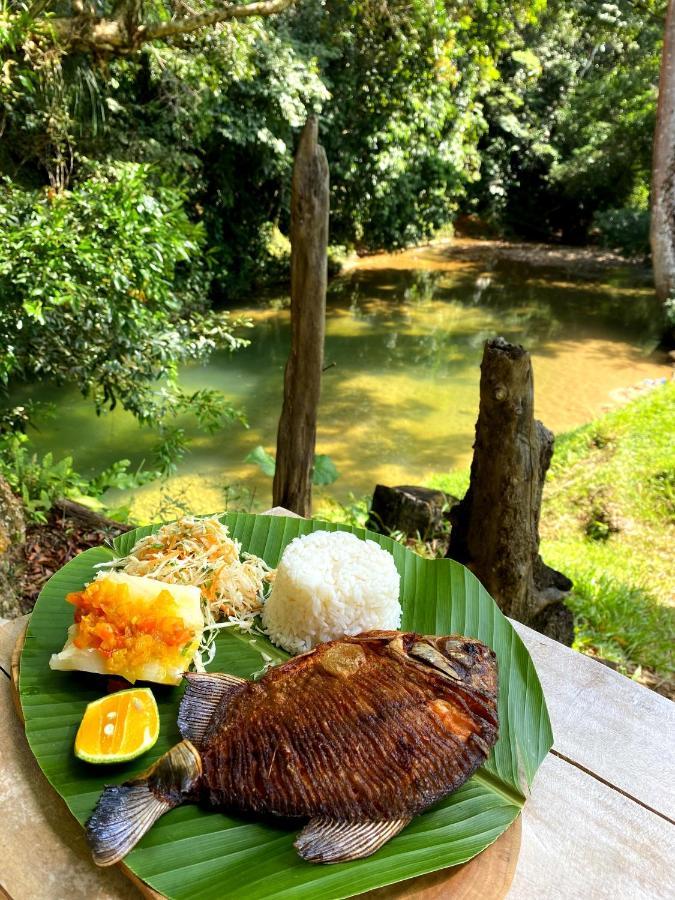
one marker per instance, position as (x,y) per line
(48,547)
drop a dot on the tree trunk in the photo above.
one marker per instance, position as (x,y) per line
(663,170)
(125,32)
(12,536)
(87,517)
(296,436)
(495,529)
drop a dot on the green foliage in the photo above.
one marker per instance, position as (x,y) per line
(625,230)
(670,312)
(354,511)
(570,122)
(401,124)
(619,621)
(608,522)
(104,286)
(543,111)
(263,460)
(250,91)
(627,454)
(39,481)
(661,487)
(455,483)
(599,525)
(323,473)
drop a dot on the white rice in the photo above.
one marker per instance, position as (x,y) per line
(331,584)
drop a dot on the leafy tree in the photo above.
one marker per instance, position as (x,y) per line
(401,124)
(217,110)
(571,120)
(119,28)
(543,112)
(102,286)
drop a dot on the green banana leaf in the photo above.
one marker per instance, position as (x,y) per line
(194,853)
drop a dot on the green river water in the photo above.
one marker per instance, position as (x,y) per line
(405,334)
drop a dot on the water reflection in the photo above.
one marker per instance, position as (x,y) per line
(405,333)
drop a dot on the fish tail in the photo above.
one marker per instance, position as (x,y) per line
(126,811)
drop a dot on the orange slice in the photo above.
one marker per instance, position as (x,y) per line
(118,727)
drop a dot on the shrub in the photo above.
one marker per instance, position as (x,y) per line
(105,286)
(625,230)
(41,480)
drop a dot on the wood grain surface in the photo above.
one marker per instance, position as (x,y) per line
(617,730)
(584,839)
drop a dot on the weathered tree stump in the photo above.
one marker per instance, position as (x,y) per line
(416,511)
(495,528)
(296,436)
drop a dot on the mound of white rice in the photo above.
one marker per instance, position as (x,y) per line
(330,584)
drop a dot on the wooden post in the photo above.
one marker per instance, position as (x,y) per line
(296,435)
(495,528)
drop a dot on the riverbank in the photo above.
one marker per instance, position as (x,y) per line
(608,521)
(582,261)
(404,336)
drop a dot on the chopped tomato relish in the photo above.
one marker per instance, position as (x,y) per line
(128,634)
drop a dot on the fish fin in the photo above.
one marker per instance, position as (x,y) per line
(203,694)
(325,840)
(124,812)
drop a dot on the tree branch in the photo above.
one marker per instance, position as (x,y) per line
(203,20)
(121,36)
(36,9)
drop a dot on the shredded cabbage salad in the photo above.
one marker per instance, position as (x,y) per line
(200,551)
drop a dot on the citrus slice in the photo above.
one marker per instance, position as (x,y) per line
(118,727)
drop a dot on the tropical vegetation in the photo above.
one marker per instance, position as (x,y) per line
(145,159)
(146,153)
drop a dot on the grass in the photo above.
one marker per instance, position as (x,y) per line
(608,522)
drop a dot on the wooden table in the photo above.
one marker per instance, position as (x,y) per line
(598,824)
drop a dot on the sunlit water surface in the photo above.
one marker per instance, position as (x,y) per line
(404,339)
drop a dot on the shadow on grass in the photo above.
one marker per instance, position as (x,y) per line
(622,623)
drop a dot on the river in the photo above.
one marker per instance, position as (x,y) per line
(404,339)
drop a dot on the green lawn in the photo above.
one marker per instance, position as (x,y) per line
(608,522)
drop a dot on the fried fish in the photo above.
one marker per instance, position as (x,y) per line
(359,736)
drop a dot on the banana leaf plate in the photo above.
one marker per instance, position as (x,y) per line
(198,854)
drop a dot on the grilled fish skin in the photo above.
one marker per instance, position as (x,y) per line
(360,735)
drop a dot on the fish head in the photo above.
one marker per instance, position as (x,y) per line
(455,657)
(458,658)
